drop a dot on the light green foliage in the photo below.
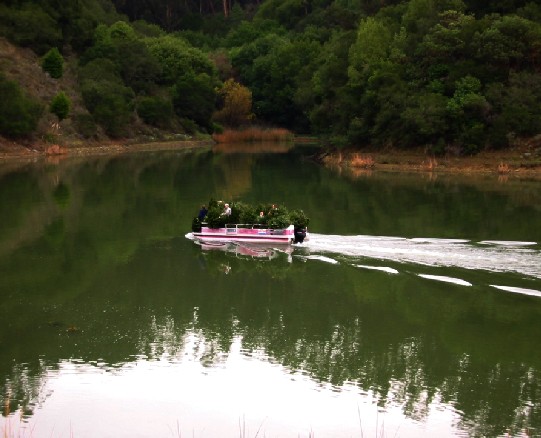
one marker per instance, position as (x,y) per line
(19,114)
(147,29)
(60,106)
(371,47)
(53,63)
(177,58)
(466,96)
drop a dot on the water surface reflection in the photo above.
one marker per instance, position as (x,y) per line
(411,311)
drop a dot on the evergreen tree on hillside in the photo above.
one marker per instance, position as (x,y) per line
(53,63)
(19,114)
(60,106)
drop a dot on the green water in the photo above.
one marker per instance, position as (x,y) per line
(414,309)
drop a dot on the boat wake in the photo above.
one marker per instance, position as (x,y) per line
(494,256)
(417,256)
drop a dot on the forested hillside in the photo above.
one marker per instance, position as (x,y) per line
(450,75)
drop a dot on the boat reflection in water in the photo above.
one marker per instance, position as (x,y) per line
(247,250)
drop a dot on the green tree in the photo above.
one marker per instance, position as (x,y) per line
(194,98)
(19,114)
(111,105)
(53,63)
(60,106)
(155,110)
(30,26)
(177,58)
(468,110)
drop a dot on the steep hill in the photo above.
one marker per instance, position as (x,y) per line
(23,66)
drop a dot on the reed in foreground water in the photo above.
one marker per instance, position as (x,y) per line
(253,134)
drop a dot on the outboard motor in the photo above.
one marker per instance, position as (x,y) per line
(300,234)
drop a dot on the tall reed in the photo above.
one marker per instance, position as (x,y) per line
(253,134)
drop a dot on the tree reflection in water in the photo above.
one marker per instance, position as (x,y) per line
(106,253)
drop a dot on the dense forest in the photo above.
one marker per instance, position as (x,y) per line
(450,75)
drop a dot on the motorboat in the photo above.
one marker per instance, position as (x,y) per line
(250,233)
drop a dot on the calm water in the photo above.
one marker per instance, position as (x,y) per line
(414,310)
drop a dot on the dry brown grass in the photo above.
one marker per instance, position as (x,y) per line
(361,161)
(430,164)
(503,168)
(253,134)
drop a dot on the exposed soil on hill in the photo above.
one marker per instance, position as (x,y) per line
(23,66)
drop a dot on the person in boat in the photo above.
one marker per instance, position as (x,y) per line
(202,213)
(272,209)
(227,210)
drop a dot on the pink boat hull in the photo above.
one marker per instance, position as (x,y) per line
(237,233)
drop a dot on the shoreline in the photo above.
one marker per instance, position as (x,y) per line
(16,152)
(518,162)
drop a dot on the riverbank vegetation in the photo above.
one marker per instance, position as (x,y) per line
(453,76)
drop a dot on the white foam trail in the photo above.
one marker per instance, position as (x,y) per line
(446,279)
(321,258)
(435,240)
(378,268)
(431,252)
(518,290)
(507,243)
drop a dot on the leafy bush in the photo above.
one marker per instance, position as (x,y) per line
(110,104)
(276,217)
(85,125)
(194,98)
(19,114)
(100,69)
(155,111)
(60,106)
(299,219)
(53,63)
(30,26)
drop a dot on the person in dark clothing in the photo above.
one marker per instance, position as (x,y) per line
(202,213)
(300,234)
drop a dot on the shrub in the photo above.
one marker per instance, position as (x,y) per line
(276,217)
(110,104)
(155,111)
(28,25)
(53,63)
(85,125)
(60,106)
(299,219)
(19,114)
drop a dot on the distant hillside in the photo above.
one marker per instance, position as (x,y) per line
(450,76)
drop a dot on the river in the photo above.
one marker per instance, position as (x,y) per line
(413,310)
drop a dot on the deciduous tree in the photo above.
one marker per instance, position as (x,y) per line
(237,104)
